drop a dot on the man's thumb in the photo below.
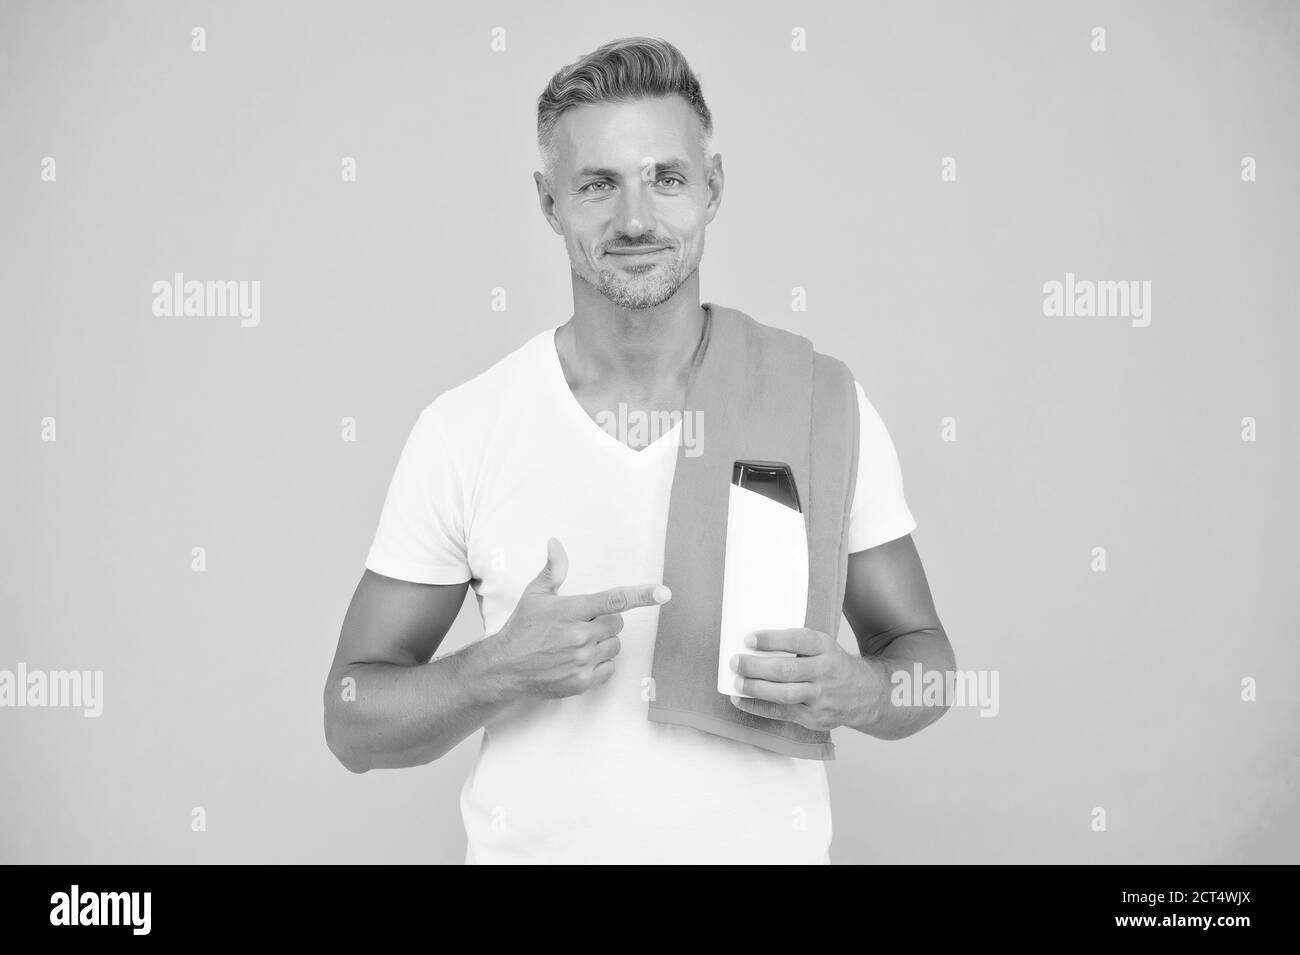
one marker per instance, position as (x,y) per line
(551,576)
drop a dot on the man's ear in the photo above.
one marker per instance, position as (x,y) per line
(546,201)
(717,179)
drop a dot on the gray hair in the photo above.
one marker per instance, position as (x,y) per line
(619,71)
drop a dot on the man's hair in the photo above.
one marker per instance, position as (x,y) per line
(619,71)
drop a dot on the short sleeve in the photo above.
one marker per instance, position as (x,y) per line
(421,535)
(880,513)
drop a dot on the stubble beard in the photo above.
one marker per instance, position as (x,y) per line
(643,290)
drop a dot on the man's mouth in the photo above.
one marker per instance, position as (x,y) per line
(638,250)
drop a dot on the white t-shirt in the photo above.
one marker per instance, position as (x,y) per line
(491,469)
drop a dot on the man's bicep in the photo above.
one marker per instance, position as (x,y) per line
(886,594)
(397,621)
(421,533)
(879,513)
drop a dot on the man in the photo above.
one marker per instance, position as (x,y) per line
(509,483)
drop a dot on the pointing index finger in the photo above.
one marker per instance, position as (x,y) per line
(617,600)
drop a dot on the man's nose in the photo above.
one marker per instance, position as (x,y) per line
(636,210)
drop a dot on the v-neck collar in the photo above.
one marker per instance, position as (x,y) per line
(574,410)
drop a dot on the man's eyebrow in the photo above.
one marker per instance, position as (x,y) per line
(672,164)
(595,171)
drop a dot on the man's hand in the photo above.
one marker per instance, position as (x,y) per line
(821,688)
(558,645)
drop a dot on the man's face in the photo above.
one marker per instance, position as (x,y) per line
(632,197)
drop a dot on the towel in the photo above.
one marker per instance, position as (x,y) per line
(761,393)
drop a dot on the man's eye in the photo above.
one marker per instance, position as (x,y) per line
(673,179)
(598,182)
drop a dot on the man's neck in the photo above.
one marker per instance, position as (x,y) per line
(641,350)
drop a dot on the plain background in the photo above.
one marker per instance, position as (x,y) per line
(1119,690)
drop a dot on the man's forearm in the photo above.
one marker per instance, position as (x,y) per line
(386,716)
(880,717)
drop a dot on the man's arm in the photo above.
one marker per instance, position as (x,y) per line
(386,704)
(888,604)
